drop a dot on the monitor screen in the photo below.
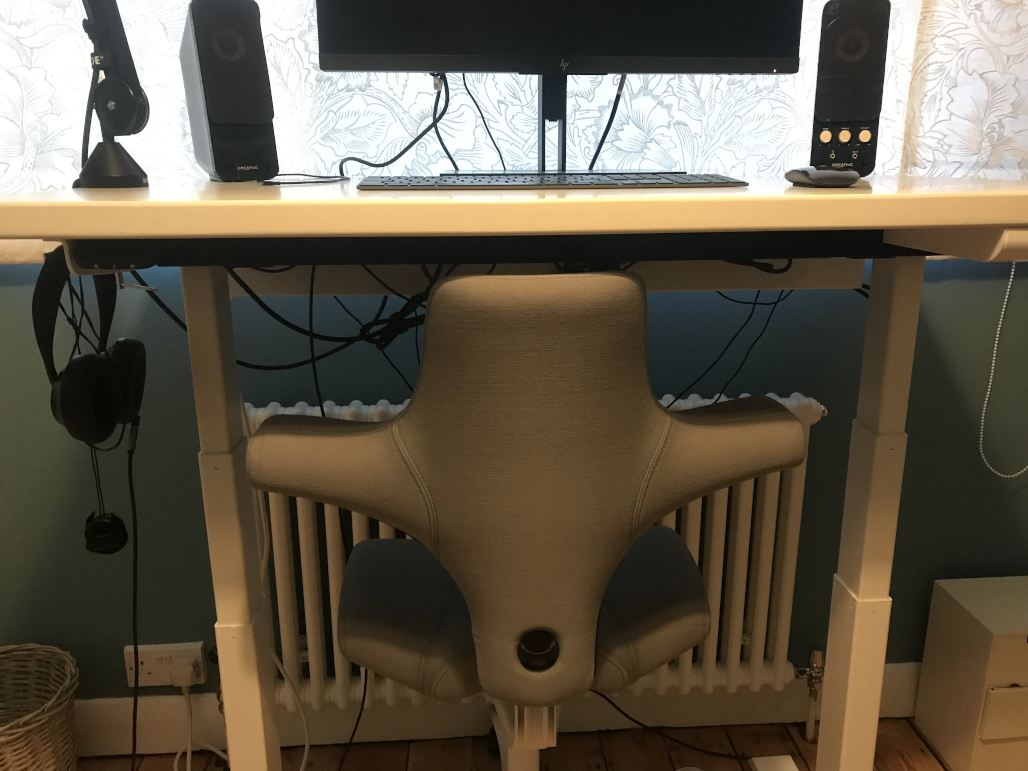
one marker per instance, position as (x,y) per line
(560,36)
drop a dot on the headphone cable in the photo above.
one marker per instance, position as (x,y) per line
(133,434)
(96,480)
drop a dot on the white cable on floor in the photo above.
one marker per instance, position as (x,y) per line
(992,373)
(189,738)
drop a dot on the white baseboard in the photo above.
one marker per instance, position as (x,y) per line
(103,725)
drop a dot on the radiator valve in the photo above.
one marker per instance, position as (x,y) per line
(815,674)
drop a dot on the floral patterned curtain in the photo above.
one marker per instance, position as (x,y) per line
(968,112)
(956,101)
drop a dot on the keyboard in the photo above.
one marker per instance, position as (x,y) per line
(554,181)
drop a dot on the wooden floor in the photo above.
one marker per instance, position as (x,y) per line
(899,749)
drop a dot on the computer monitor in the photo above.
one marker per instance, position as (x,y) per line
(566,37)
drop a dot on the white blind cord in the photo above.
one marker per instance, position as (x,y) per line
(992,373)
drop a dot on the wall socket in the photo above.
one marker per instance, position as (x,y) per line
(156,663)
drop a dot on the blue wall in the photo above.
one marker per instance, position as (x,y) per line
(956,519)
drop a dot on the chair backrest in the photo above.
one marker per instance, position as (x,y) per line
(533,425)
(532,454)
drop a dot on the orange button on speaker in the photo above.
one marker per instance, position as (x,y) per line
(845,135)
(864,136)
(826,136)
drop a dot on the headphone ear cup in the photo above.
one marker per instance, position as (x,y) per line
(128,362)
(86,398)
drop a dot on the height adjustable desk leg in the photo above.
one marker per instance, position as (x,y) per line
(859,628)
(243,632)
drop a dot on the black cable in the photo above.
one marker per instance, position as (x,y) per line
(712,753)
(308,179)
(281,319)
(96,481)
(751,302)
(353,316)
(295,364)
(753,309)
(756,340)
(417,346)
(383,284)
(160,303)
(380,333)
(310,326)
(398,371)
(405,150)
(80,296)
(114,446)
(348,311)
(610,122)
(357,722)
(763,267)
(90,101)
(464,77)
(135,586)
(438,134)
(245,364)
(76,324)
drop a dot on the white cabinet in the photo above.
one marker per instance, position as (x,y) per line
(972,703)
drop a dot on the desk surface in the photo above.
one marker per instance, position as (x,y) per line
(214,210)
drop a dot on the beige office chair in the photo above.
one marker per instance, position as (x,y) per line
(529,468)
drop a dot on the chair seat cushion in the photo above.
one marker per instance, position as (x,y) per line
(403,617)
(655,608)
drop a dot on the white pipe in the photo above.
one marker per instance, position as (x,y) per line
(735,589)
(786,554)
(691,527)
(713,570)
(285,588)
(692,516)
(359,527)
(760,571)
(310,572)
(336,565)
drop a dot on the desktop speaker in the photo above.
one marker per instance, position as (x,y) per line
(228,92)
(850,78)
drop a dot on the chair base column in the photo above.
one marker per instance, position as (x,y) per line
(522,732)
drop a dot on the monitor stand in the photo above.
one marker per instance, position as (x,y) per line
(553,107)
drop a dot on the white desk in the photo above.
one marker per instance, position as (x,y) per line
(971,219)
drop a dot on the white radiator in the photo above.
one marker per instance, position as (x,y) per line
(745,539)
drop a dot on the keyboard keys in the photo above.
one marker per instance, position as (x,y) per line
(555,181)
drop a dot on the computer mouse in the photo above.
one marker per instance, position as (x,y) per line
(811,176)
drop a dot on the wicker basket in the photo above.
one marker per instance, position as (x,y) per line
(37,708)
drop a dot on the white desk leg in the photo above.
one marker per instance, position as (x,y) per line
(242,631)
(859,629)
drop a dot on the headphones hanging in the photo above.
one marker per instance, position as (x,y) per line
(96,391)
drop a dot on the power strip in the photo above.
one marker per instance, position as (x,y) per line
(173,664)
